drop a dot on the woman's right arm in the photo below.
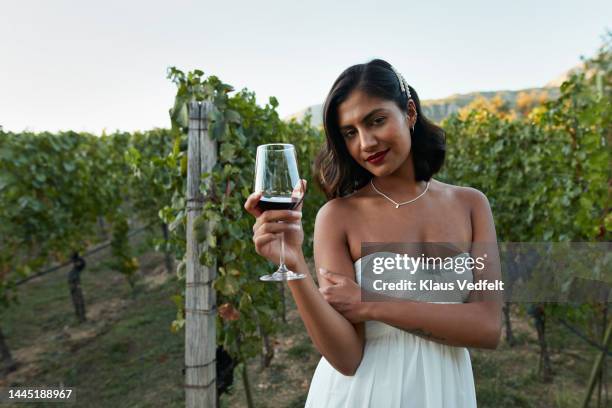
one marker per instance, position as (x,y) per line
(337,339)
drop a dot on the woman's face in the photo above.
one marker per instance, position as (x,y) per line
(371,125)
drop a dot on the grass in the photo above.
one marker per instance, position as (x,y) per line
(126,356)
(123,356)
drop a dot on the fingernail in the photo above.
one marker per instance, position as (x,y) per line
(323,271)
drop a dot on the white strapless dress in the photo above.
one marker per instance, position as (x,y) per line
(398,370)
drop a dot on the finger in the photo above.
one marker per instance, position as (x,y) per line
(328,290)
(303,185)
(262,240)
(277,227)
(324,280)
(331,276)
(341,307)
(323,273)
(326,295)
(300,188)
(293,218)
(281,215)
(251,204)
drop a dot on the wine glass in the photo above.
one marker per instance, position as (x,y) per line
(276,175)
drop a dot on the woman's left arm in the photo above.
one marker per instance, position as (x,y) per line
(473,324)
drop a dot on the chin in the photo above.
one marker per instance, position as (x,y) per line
(380,172)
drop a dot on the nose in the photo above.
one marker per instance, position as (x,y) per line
(368,140)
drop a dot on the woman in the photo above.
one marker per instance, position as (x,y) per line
(376,171)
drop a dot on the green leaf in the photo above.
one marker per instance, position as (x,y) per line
(227,152)
(232,116)
(226,285)
(608,222)
(184,166)
(200,228)
(245,301)
(207,258)
(212,241)
(178,300)
(217,130)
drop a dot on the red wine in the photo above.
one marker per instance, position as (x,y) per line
(277,203)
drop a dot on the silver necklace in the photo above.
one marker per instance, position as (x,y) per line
(397,205)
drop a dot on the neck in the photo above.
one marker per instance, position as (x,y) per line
(401,185)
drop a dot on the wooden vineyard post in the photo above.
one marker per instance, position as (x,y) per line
(597,366)
(74,282)
(200,298)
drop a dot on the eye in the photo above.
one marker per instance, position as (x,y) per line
(349,134)
(379,120)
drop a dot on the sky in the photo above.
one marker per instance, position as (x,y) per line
(101,65)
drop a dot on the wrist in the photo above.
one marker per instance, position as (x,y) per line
(298,265)
(370,310)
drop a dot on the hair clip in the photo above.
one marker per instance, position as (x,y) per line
(403,85)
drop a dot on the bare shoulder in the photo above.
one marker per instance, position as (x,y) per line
(330,244)
(329,222)
(341,207)
(483,223)
(332,209)
(468,196)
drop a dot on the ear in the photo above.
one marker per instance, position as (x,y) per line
(412,113)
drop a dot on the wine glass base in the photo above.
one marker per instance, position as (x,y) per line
(282,276)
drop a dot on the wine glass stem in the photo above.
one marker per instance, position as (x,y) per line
(282,251)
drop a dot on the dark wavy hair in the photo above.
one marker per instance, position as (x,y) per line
(335,172)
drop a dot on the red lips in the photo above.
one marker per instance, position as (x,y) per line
(377,155)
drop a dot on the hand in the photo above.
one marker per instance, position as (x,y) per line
(270,224)
(344,295)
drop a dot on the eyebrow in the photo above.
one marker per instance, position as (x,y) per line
(365,118)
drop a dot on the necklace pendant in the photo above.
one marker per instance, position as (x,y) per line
(396,205)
